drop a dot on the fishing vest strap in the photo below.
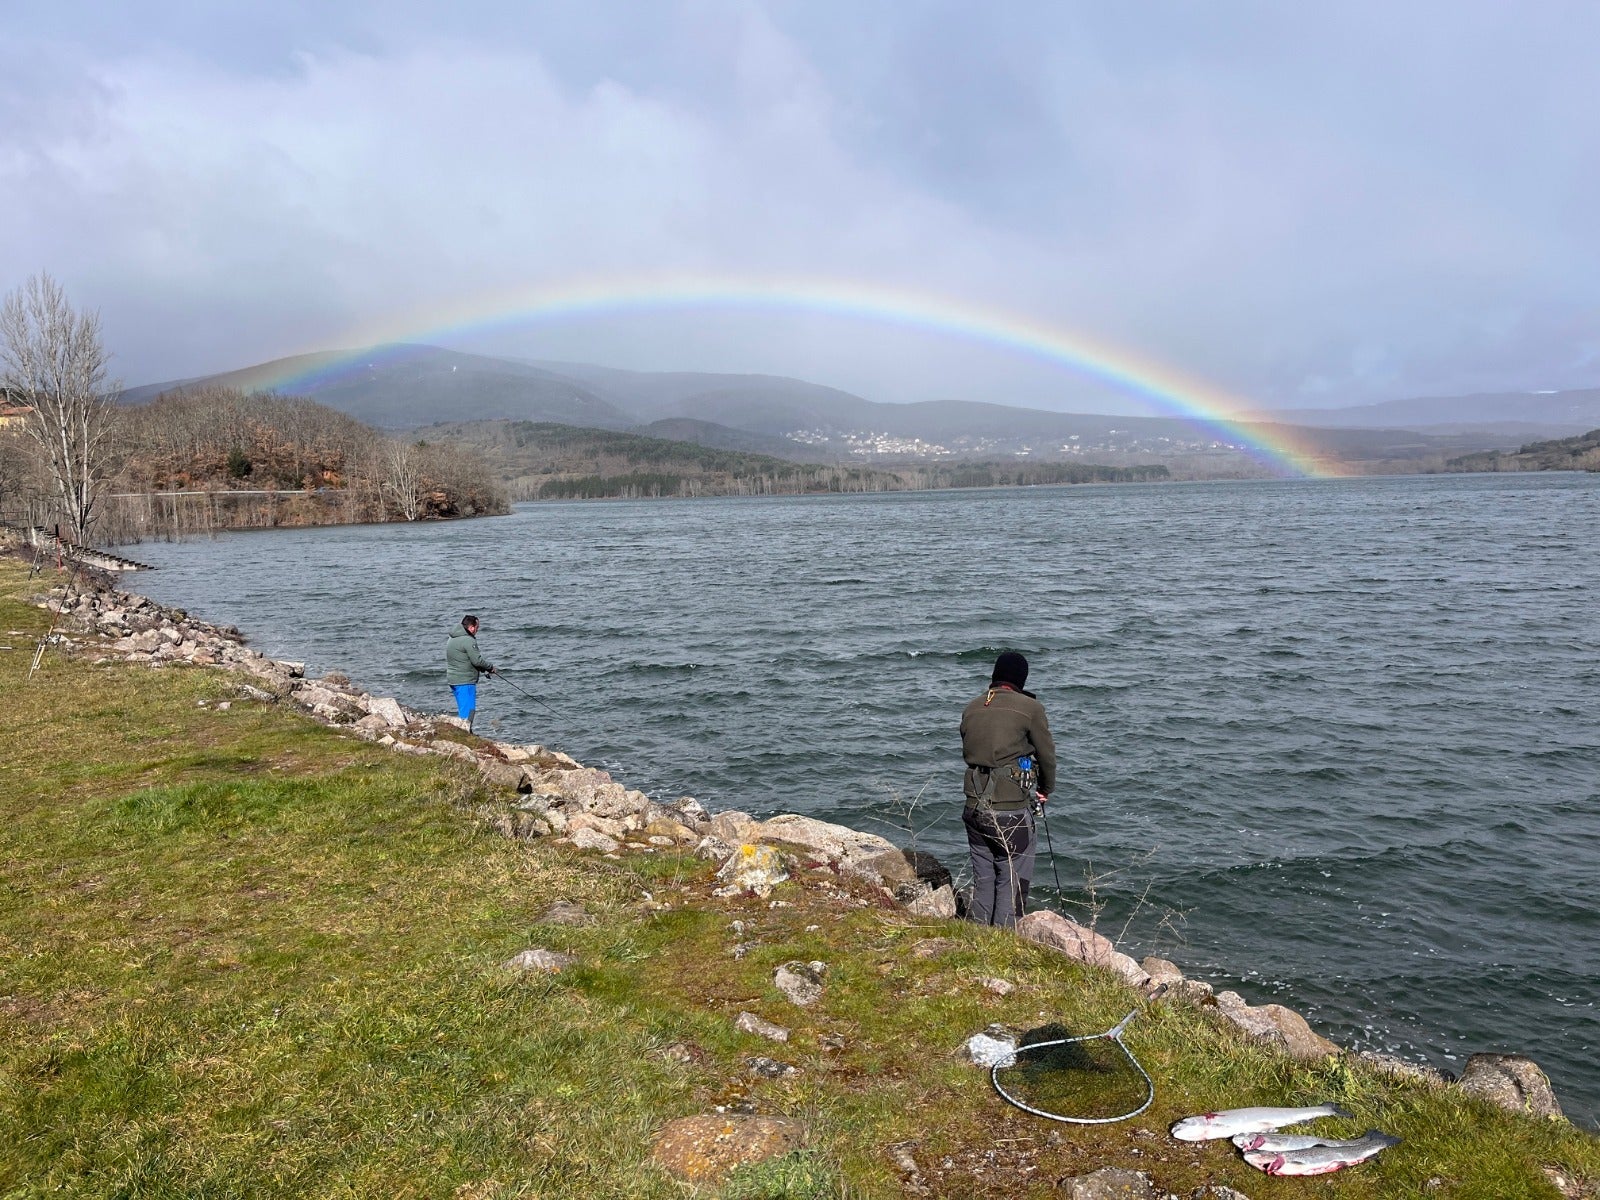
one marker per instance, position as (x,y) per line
(981,783)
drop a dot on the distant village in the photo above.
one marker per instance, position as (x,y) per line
(888,446)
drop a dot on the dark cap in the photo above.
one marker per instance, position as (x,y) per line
(1010,668)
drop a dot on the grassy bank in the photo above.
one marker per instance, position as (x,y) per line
(244,955)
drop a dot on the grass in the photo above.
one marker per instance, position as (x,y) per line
(243,955)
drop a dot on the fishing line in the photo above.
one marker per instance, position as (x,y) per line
(500,675)
(1114,1034)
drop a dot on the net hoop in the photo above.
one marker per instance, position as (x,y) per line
(1113,1034)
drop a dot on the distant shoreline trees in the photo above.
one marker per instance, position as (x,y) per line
(266,460)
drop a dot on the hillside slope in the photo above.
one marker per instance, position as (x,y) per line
(1580,453)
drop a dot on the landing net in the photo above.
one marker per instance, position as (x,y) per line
(1070,1078)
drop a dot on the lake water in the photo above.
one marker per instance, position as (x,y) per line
(1334,743)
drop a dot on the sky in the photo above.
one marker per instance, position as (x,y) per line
(1298,204)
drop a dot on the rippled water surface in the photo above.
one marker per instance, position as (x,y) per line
(1332,743)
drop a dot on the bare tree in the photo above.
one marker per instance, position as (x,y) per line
(52,357)
(402,478)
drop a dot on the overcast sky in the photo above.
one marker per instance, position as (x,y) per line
(1298,203)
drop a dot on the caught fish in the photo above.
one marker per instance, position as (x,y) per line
(1248,1120)
(1277,1143)
(1321,1160)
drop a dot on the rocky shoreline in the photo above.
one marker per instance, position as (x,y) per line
(541,793)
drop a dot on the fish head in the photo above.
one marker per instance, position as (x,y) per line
(1249,1141)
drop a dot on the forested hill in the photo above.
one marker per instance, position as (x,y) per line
(1580,453)
(543,460)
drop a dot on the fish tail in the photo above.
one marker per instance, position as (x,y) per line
(1338,1112)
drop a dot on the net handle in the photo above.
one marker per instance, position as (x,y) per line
(1113,1034)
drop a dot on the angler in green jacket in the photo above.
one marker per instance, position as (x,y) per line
(1011,763)
(463,664)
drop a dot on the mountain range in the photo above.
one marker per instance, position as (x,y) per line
(408,387)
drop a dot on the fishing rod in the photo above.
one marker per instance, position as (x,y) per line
(1042,811)
(501,675)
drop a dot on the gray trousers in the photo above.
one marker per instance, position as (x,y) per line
(1001,846)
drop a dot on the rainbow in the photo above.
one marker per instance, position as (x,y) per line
(1170,392)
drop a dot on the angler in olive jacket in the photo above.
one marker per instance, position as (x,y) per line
(463,664)
(1000,730)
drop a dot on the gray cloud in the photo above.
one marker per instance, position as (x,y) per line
(1302,204)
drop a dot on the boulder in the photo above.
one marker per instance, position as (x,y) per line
(748,1022)
(1399,1068)
(691,812)
(850,848)
(1111,1183)
(672,831)
(733,827)
(713,848)
(705,1149)
(800,982)
(388,709)
(1276,1024)
(933,902)
(1511,1082)
(523,826)
(1079,943)
(495,772)
(605,825)
(593,839)
(750,868)
(1162,973)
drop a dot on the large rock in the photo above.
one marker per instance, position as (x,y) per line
(705,1149)
(587,789)
(933,902)
(605,825)
(1079,943)
(749,868)
(733,827)
(1111,1183)
(593,839)
(1511,1082)
(1276,1024)
(836,843)
(389,709)
(498,774)
(1399,1068)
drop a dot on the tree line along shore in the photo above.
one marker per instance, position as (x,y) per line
(293,937)
(212,458)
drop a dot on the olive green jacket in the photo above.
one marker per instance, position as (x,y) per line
(462,661)
(997,729)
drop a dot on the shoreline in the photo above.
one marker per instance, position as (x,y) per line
(544,793)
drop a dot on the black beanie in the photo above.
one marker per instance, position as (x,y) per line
(1010,668)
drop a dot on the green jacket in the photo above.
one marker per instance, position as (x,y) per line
(462,662)
(997,729)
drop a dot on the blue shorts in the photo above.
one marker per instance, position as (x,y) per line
(466,698)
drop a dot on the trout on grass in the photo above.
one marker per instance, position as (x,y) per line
(1320,1160)
(1248,1120)
(1277,1143)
